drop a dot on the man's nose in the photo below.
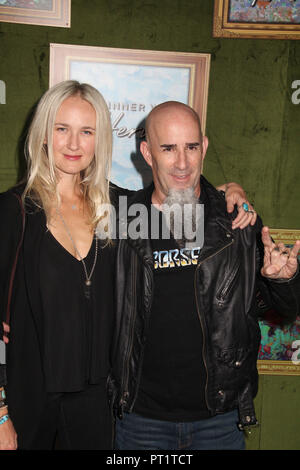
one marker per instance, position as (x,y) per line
(181,160)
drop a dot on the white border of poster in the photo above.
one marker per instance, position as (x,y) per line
(132,82)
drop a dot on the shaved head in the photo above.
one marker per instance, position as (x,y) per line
(162,111)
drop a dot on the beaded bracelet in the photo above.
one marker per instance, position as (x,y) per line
(4,419)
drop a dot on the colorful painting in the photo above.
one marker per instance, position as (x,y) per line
(278,342)
(36,12)
(279,351)
(272,19)
(274,11)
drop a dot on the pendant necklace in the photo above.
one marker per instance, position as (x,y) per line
(88,277)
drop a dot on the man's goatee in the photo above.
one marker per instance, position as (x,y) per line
(182,217)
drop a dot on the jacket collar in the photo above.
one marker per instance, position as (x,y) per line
(218,232)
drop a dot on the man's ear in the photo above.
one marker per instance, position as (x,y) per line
(204,146)
(145,151)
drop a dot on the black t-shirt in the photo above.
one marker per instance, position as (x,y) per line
(173,379)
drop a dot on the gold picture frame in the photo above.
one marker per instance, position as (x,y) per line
(282,367)
(52,13)
(224,26)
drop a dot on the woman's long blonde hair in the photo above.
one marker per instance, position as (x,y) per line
(42,180)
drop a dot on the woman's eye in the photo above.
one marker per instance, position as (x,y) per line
(88,132)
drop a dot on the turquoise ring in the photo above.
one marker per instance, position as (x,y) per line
(246,208)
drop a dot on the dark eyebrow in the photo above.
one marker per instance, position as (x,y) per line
(168,146)
(195,144)
(189,144)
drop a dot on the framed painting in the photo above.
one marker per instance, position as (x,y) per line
(37,12)
(132,82)
(269,19)
(279,352)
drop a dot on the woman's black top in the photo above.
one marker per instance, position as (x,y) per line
(77,328)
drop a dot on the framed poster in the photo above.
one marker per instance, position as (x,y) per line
(271,19)
(279,352)
(132,82)
(37,12)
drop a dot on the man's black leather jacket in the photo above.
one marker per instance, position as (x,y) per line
(227,281)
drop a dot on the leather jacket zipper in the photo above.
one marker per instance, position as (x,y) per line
(228,284)
(201,321)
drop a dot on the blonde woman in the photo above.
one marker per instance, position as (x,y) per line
(61,296)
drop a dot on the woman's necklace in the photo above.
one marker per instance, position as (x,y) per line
(88,277)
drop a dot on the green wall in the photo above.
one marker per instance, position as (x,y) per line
(252,125)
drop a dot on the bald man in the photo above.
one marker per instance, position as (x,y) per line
(187,336)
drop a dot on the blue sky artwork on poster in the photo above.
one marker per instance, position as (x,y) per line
(131,91)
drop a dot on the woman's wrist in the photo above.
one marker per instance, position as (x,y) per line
(3,411)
